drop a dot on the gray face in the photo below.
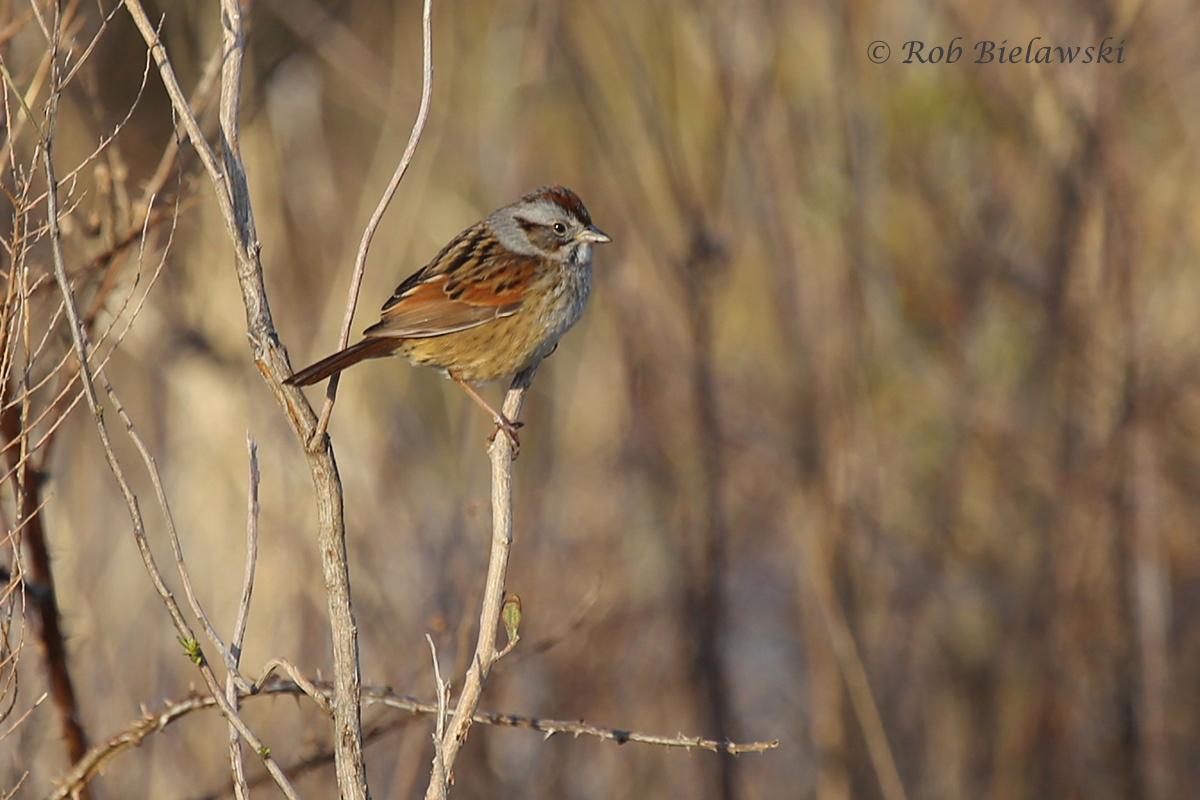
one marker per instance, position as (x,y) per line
(538,228)
(551,223)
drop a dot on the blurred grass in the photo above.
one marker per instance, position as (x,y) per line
(924,335)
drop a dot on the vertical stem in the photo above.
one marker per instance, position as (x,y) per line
(501,453)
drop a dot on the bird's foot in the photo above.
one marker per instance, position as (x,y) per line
(510,428)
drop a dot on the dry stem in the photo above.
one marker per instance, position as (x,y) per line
(79,340)
(237,762)
(360,261)
(156,721)
(501,453)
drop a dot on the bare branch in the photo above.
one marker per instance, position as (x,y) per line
(234,202)
(21,719)
(79,340)
(173,535)
(180,104)
(360,261)
(158,720)
(439,778)
(501,452)
(131,501)
(238,764)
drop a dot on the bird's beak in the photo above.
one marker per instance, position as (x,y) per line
(593,235)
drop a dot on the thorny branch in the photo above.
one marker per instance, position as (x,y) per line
(156,721)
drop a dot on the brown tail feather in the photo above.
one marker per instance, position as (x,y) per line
(367,348)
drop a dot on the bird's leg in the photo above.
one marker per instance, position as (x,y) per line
(503,423)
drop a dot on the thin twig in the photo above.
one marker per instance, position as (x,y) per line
(131,501)
(15,424)
(439,777)
(180,104)
(238,764)
(233,198)
(21,719)
(360,261)
(156,721)
(501,452)
(173,536)
(79,340)
(168,516)
(239,625)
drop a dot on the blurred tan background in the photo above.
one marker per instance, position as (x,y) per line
(879,436)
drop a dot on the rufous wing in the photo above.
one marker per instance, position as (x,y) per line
(446,302)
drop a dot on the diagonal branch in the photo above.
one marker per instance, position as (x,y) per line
(486,655)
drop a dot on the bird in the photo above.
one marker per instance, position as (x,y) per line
(492,302)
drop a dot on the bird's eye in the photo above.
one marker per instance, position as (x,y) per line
(560,229)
